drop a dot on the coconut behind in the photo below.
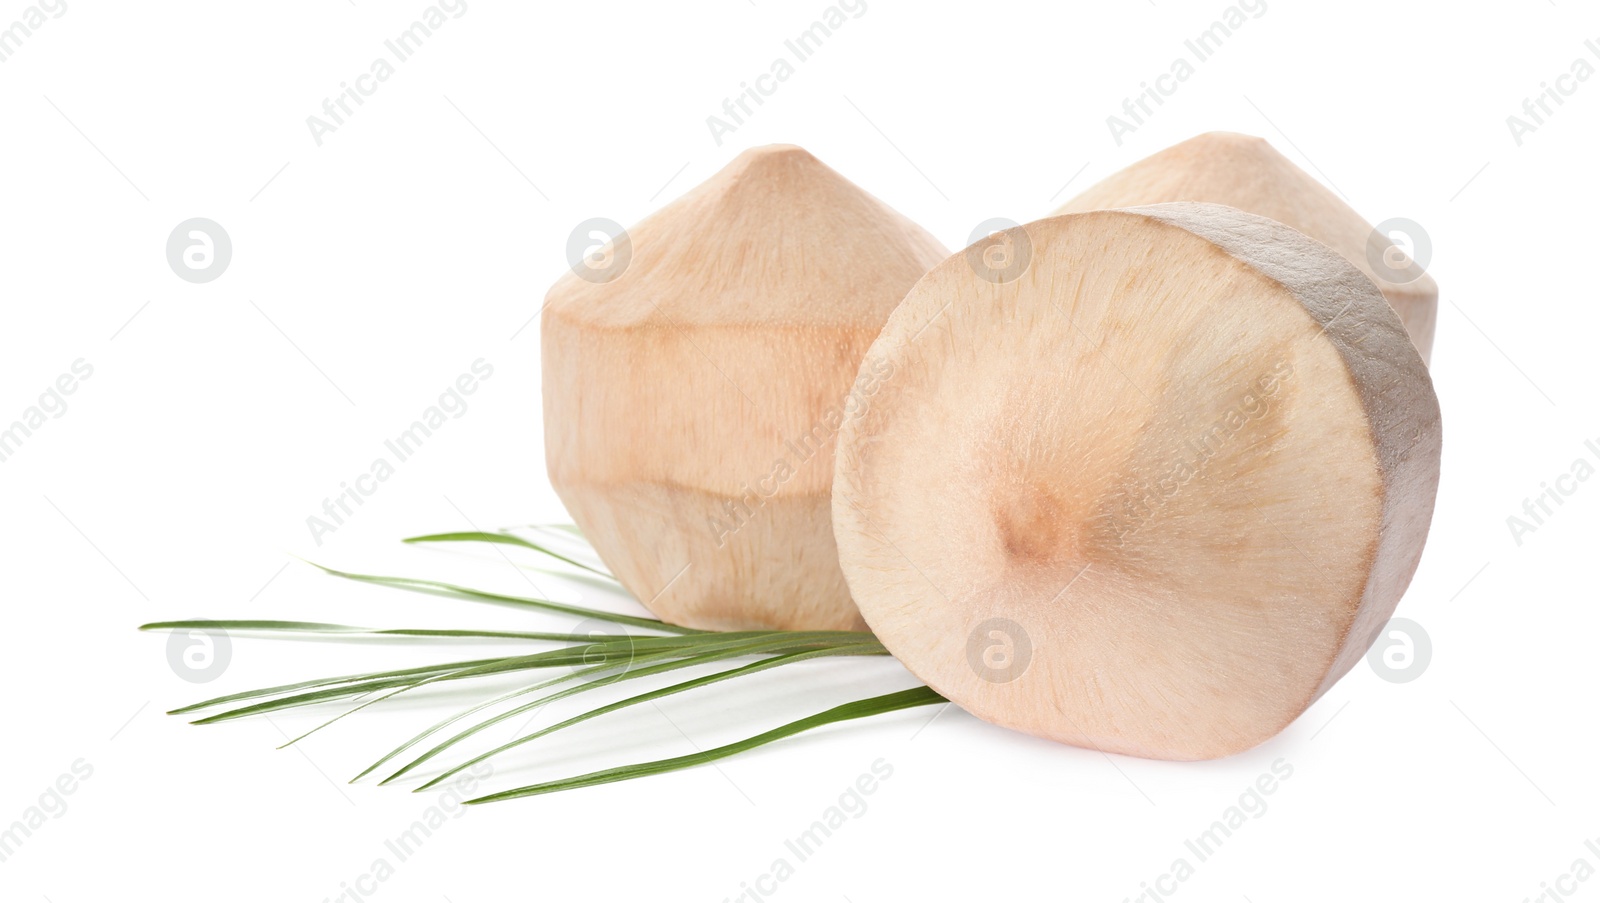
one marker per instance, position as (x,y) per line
(1246,172)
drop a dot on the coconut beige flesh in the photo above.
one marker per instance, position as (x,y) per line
(691,402)
(1246,172)
(1154,495)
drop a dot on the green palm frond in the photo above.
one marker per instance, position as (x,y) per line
(591,662)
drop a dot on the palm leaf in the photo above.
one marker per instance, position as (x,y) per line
(861,708)
(595,661)
(509,540)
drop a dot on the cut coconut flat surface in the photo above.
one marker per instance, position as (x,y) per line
(1155,495)
(691,401)
(1246,172)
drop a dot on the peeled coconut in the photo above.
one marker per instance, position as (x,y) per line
(692,400)
(1246,172)
(1153,491)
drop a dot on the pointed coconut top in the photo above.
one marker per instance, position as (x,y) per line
(777,238)
(1245,172)
(691,402)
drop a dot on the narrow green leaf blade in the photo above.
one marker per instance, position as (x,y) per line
(319,682)
(741,671)
(506,539)
(705,653)
(419,585)
(260,626)
(862,708)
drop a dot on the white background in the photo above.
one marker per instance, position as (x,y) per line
(369,272)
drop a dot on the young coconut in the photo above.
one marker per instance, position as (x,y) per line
(691,401)
(1152,492)
(1245,172)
